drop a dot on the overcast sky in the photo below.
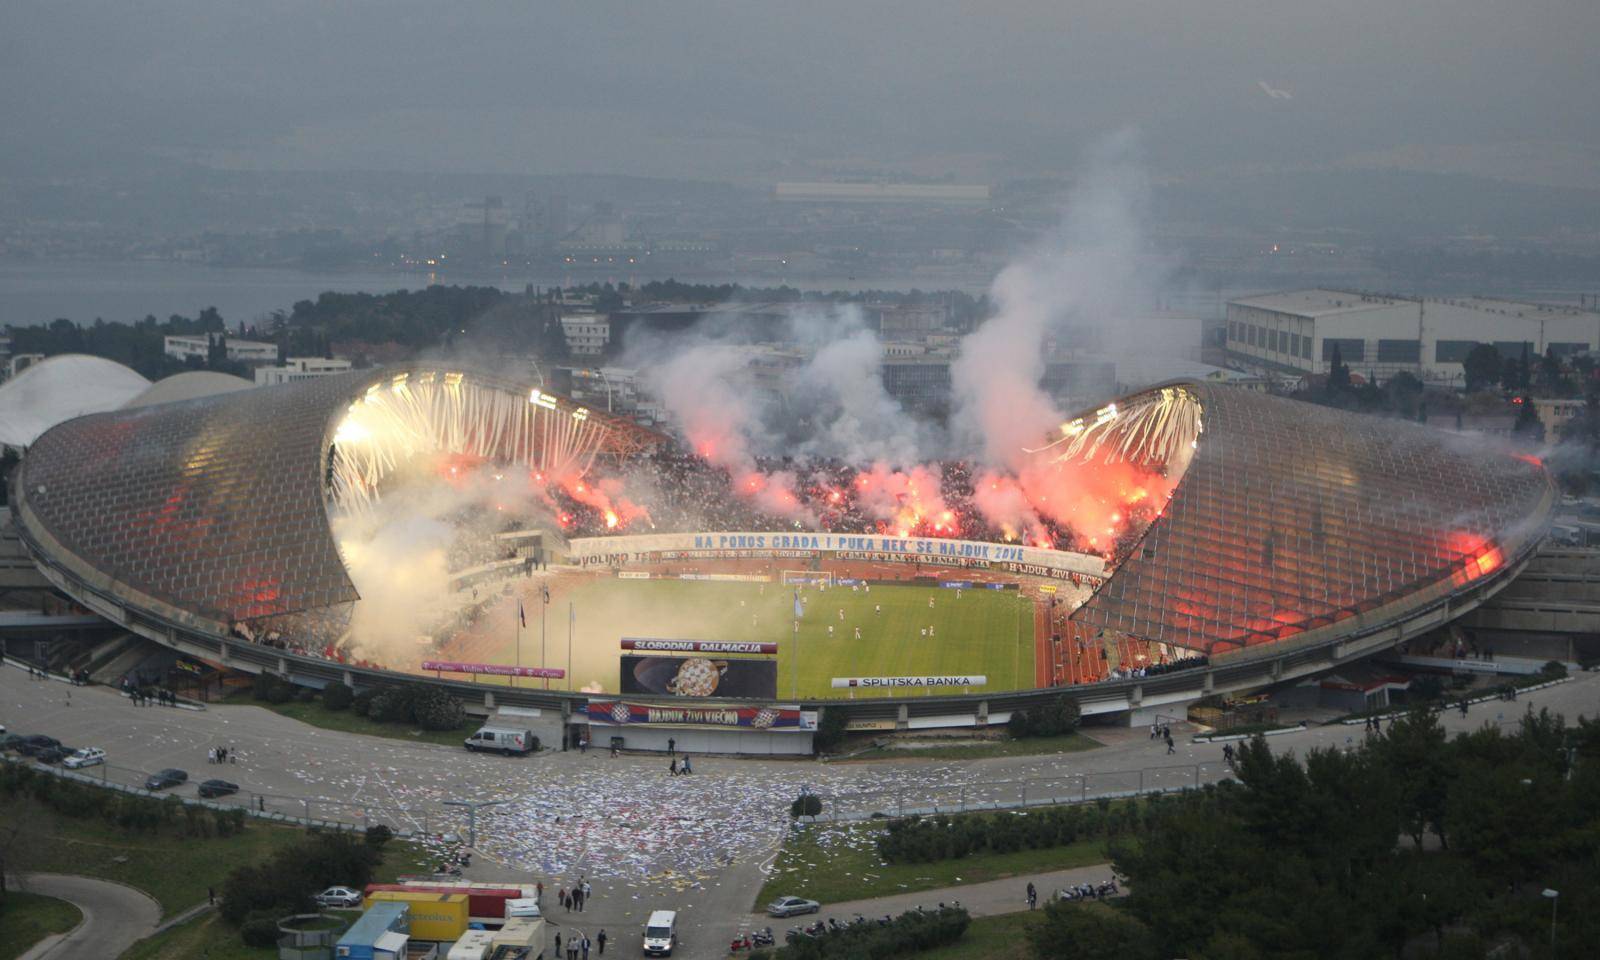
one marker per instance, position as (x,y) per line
(752,90)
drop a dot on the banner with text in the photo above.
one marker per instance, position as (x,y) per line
(494,669)
(937,551)
(777,719)
(697,646)
(970,680)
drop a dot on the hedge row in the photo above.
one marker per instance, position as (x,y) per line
(920,840)
(431,708)
(84,801)
(254,895)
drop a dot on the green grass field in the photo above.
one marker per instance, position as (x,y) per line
(988,632)
(27,918)
(837,864)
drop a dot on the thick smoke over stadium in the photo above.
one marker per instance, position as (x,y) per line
(812,442)
(837,409)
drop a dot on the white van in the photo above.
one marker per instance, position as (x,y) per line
(506,740)
(661,933)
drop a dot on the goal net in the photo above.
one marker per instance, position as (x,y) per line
(808,577)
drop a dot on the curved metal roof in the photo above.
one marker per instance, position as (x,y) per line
(1288,518)
(215,507)
(1291,517)
(59,388)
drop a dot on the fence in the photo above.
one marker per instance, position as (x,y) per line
(1017,794)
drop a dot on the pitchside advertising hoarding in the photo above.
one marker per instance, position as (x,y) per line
(699,677)
(658,645)
(662,547)
(776,718)
(957,680)
(493,669)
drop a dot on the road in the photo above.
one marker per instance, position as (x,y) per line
(645,840)
(114,917)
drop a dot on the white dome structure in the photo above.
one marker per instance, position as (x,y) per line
(60,388)
(189,385)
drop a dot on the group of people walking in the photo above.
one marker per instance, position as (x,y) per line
(1160,731)
(220,755)
(573,899)
(578,945)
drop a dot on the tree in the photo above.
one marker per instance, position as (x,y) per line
(1338,373)
(1072,931)
(1482,367)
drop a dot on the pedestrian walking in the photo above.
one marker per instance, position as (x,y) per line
(561,898)
(686,770)
(672,745)
(672,768)
(1170,748)
(585,947)
(558,944)
(600,941)
(538,893)
(211,755)
(588,891)
(1033,895)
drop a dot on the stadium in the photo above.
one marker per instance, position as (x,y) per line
(423,524)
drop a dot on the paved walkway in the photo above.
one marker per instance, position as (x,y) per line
(981,899)
(114,917)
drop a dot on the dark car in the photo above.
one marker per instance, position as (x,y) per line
(11,741)
(36,744)
(54,754)
(162,779)
(217,788)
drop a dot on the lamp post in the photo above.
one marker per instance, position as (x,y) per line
(1554,896)
(472,816)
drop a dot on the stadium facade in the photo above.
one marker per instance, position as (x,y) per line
(1297,538)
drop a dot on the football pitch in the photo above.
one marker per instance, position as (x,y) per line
(982,631)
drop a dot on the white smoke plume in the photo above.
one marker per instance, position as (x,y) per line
(1083,276)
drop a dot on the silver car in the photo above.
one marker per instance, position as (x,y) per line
(792,906)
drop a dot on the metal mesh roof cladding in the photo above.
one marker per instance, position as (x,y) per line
(1293,516)
(213,505)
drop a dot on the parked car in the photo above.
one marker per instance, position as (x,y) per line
(84,757)
(339,897)
(792,906)
(32,746)
(10,741)
(217,788)
(169,777)
(54,754)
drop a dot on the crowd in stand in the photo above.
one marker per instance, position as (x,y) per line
(688,493)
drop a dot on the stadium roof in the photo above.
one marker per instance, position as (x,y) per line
(60,388)
(214,509)
(189,385)
(1289,518)
(1292,517)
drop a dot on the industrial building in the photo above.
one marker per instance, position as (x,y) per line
(1299,332)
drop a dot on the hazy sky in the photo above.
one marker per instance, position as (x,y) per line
(754,90)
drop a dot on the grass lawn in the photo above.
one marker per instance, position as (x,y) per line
(205,936)
(176,871)
(987,632)
(835,864)
(29,918)
(317,715)
(1029,746)
(990,938)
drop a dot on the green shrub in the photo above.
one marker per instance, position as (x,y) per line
(361,703)
(830,730)
(378,834)
(433,708)
(391,705)
(806,805)
(263,686)
(305,694)
(1553,670)
(259,932)
(337,696)
(282,692)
